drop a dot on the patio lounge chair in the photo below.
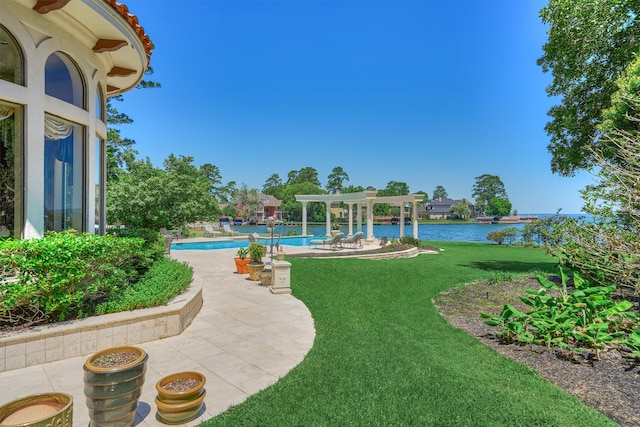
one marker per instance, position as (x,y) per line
(354,241)
(209,231)
(333,241)
(228,229)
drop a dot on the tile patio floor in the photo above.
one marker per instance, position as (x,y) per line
(243,339)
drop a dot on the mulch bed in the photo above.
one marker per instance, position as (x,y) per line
(610,385)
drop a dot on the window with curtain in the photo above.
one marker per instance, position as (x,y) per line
(63,175)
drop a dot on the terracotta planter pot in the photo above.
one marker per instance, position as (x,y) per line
(241,265)
(254,271)
(39,410)
(112,393)
(179,407)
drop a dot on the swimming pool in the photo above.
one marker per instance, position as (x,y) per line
(226,244)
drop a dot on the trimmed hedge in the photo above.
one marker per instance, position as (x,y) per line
(164,280)
(66,275)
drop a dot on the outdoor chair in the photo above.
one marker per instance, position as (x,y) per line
(354,241)
(332,242)
(178,233)
(275,244)
(164,231)
(209,231)
(228,229)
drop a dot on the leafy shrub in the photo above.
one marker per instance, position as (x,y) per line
(411,241)
(583,318)
(154,241)
(164,280)
(256,251)
(64,274)
(506,235)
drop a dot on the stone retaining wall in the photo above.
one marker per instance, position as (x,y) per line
(48,343)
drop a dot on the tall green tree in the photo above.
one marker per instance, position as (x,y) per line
(273,186)
(306,174)
(498,206)
(393,188)
(120,149)
(425,200)
(353,189)
(486,188)
(439,193)
(606,248)
(293,208)
(461,209)
(589,44)
(336,179)
(246,201)
(150,197)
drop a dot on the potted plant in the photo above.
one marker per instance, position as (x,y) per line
(39,410)
(256,251)
(335,228)
(180,397)
(241,261)
(265,277)
(113,380)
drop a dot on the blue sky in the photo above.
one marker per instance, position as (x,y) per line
(424,92)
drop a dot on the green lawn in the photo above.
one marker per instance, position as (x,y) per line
(383,356)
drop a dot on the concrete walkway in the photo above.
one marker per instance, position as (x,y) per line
(243,339)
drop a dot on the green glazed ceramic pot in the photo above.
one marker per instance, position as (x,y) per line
(179,407)
(39,410)
(112,392)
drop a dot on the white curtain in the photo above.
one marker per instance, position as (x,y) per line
(5,112)
(55,129)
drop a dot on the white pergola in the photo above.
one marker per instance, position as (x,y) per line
(367,198)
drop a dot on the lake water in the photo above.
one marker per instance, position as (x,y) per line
(465,232)
(450,232)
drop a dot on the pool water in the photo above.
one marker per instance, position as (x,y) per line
(226,244)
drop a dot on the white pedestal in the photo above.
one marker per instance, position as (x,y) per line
(281,279)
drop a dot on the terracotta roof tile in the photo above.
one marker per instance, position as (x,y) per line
(123,10)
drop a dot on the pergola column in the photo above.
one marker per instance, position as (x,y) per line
(350,204)
(415,219)
(304,218)
(328,206)
(370,235)
(402,220)
(359,218)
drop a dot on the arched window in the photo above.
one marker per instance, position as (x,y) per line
(11,62)
(63,80)
(100,103)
